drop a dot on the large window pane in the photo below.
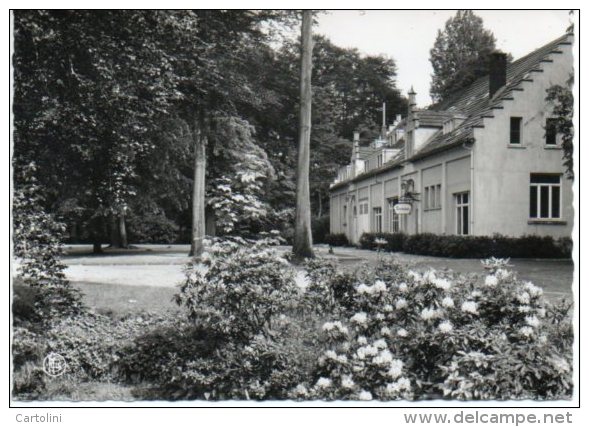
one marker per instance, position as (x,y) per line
(555,202)
(533,202)
(465,220)
(426,198)
(544,191)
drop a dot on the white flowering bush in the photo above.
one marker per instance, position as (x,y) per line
(355,367)
(448,332)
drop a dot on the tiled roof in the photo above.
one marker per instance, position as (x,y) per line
(474,102)
(367,152)
(432,118)
(391,164)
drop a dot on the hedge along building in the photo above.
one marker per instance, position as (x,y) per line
(486,160)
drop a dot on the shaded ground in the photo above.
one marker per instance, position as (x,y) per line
(147,276)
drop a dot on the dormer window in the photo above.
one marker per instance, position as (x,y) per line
(379,160)
(448,126)
(452,123)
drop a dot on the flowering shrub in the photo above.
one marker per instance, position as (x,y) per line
(356,367)
(447,333)
(238,289)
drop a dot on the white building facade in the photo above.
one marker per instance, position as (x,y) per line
(485,161)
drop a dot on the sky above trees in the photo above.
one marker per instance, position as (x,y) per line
(408,36)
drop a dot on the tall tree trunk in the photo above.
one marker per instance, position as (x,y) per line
(123,231)
(198,194)
(115,240)
(303,241)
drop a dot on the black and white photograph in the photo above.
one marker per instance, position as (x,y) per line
(294,207)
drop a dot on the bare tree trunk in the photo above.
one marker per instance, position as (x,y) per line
(122,231)
(198,194)
(303,241)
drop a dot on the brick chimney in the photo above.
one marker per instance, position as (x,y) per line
(497,72)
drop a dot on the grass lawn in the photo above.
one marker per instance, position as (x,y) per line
(117,300)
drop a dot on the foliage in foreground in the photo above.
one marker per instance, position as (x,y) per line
(37,249)
(397,333)
(256,329)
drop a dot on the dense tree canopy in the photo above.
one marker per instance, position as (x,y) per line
(460,54)
(109,105)
(562,100)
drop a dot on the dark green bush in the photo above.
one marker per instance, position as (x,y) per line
(394,242)
(186,361)
(320,228)
(527,246)
(338,239)
(152,227)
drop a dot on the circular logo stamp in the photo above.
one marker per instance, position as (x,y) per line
(54,365)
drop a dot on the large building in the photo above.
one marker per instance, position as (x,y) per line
(486,160)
